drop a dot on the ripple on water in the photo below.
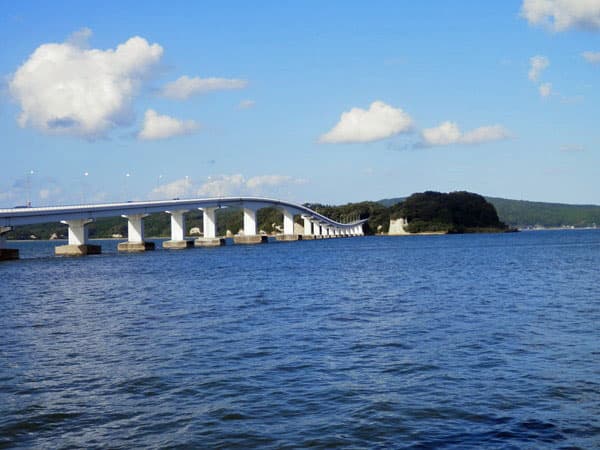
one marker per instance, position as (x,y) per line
(433,342)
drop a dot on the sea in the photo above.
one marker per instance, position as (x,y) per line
(484,341)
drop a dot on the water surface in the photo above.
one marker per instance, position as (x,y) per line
(473,341)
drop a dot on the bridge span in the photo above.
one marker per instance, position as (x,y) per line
(77,217)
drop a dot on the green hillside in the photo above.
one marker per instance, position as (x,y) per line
(527,214)
(522,214)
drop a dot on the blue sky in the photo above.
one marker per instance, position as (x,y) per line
(328,102)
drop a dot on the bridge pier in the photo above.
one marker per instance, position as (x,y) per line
(288,228)
(209,230)
(307,232)
(6,254)
(178,240)
(135,235)
(78,240)
(250,236)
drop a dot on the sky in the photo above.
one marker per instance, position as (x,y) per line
(328,102)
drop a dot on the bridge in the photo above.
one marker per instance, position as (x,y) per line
(77,217)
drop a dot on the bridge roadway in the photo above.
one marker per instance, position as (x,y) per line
(77,217)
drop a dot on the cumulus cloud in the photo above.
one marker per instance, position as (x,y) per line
(444,134)
(484,134)
(185,87)
(378,122)
(272,180)
(178,188)
(49,192)
(80,38)
(537,64)
(561,15)
(545,89)
(158,126)
(591,57)
(225,186)
(69,89)
(448,133)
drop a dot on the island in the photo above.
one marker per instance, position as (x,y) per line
(445,213)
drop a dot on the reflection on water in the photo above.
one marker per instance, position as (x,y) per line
(460,341)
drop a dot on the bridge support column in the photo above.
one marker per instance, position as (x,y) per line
(288,228)
(307,233)
(250,236)
(317,230)
(209,230)
(178,240)
(135,235)
(78,240)
(288,222)
(6,253)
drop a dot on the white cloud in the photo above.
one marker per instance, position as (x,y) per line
(222,186)
(591,57)
(444,134)
(80,38)
(48,192)
(185,87)
(68,89)
(225,185)
(158,126)
(246,104)
(178,188)
(484,134)
(560,15)
(448,133)
(545,89)
(537,64)
(272,181)
(380,121)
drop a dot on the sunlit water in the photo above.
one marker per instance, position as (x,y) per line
(475,341)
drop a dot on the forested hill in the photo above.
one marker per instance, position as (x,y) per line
(454,212)
(523,214)
(527,214)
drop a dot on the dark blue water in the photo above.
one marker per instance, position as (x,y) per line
(480,341)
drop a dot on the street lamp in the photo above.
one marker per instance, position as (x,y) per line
(83,186)
(127,175)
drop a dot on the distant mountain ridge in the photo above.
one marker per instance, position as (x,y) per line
(528,214)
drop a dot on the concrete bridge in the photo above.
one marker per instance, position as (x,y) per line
(77,217)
